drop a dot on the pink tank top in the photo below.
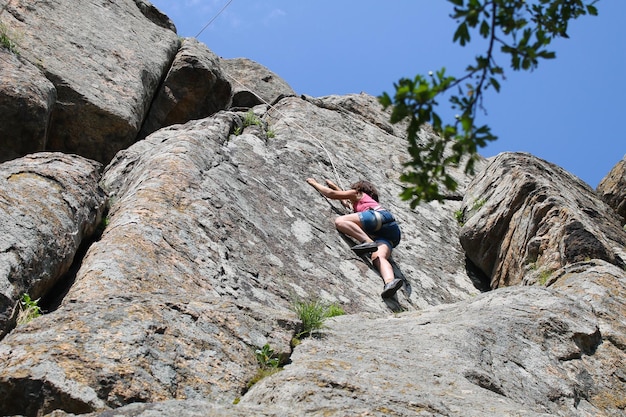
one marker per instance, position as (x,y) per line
(364,203)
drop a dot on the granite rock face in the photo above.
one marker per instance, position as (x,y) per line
(458,359)
(49,204)
(211,238)
(163,273)
(525,218)
(253,83)
(603,287)
(105,60)
(612,189)
(26,99)
(194,88)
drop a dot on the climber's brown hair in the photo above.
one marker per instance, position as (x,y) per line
(366,187)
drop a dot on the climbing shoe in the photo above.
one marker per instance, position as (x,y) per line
(390,289)
(365,248)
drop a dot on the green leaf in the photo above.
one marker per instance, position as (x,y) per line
(495,84)
(462,34)
(484,29)
(384,100)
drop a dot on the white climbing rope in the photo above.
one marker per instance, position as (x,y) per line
(214,17)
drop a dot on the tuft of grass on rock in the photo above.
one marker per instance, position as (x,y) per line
(251,119)
(6,39)
(29,310)
(544,276)
(312,315)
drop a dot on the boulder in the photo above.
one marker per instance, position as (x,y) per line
(26,100)
(252,83)
(612,189)
(105,60)
(116,350)
(194,88)
(524,218)
(49,203)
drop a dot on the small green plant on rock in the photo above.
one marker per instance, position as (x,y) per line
(104,222)
(333,310)
(6,40)
(269,364)
(265,357)
(459,216)
(251,119)
(312,315)
(544,276)
(29,310)
(478,203)
(462,215)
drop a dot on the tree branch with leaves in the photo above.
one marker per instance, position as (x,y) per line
(521,30)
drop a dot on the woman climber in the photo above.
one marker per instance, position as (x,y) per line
(374,227)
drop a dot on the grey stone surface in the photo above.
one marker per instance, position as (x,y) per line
(105,61)
(194,88)
(252,83)
(603,286)
(525,218)
(26,100)
(49,204)
(212,234)
(211,239)
(612,189)
(511,352)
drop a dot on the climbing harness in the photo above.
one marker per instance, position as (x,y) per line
(381,219)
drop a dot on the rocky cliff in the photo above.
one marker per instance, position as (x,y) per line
(154,200)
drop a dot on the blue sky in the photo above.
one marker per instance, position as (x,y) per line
(568,111)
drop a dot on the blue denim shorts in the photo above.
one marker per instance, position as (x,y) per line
(381,226)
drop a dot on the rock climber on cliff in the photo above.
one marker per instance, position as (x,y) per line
(370,224)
